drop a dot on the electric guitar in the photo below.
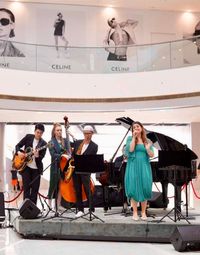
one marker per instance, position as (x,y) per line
(19,162)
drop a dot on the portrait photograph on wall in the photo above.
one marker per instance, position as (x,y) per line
(7,33)
(119,36)
(59,32)
(64,38)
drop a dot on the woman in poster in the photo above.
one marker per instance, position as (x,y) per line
(59,31)
(7,25)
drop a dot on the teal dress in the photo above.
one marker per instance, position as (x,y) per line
(138,175)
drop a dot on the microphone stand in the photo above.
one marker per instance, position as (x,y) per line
(56,213)
(106,188)
(50,209)
(124,211)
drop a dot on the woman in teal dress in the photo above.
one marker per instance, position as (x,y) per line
(138,176)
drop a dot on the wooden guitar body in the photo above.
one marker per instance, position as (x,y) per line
(19,163)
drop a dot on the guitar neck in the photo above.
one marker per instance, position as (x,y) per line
(41,148)
(38,149)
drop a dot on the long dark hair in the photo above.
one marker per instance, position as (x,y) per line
(12,17)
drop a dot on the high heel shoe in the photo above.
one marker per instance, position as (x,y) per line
(135,218)
(144,217)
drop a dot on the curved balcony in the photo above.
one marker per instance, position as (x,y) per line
(136,58)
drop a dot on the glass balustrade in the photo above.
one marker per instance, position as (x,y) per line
(123,59)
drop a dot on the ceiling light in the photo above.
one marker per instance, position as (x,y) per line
(188,17)
(109,12)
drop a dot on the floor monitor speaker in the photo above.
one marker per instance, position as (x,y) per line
(28,210)
(186,238)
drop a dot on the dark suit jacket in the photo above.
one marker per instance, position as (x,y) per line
(91,149)
(27,141)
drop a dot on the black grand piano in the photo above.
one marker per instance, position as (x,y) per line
(163,167)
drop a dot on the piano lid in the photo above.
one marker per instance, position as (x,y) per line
(160,141)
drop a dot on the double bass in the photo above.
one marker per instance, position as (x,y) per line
(66,186)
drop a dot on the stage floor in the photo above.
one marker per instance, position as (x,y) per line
(116,227)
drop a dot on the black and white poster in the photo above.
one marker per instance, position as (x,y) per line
(119,36)
(7,31)
(67,38)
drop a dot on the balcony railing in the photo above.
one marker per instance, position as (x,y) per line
(123,59)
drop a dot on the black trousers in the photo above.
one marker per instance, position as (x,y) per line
(80,179)
(31,183)
(114,57)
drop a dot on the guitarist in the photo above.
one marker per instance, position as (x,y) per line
(33,170)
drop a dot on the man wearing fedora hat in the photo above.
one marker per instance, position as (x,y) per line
(84,147)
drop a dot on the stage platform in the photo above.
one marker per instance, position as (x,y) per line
(116,227)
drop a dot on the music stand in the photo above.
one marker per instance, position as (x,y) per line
(88,164)
(174,161)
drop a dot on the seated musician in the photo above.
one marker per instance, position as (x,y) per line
(33,170)
(84,147)
(120,167)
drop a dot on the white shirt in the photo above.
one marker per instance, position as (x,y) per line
(32,164)
(84,148)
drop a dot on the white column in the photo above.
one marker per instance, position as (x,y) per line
(2,157)
(195,142)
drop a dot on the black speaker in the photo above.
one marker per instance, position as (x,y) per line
(2,207)
(28,210)
(156,200)
(186,238)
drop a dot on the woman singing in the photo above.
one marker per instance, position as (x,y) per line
(138,175)
(59,147)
